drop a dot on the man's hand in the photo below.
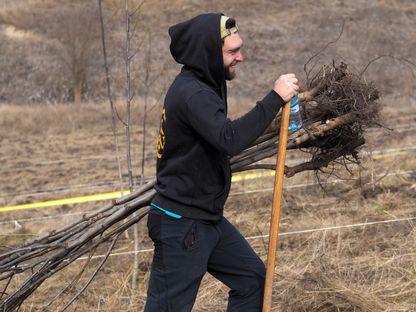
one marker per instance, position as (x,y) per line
(286,86)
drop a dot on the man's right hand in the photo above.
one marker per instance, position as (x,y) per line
(286,86)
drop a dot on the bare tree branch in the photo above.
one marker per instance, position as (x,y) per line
(94,274)
(400,59)
(320,51)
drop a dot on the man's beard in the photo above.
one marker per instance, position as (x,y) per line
(228,75)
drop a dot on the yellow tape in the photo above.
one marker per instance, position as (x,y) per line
(252,175)
(378,156)
(65,201)
(18,234)
(114,195)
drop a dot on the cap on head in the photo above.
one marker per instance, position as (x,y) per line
(227,28)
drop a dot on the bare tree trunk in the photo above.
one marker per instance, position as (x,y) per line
(78,74)
(129,97)
(77,93)
(78,82)
(114,113)
(110,98)
(148,61)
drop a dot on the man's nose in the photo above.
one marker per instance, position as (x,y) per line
(239,57)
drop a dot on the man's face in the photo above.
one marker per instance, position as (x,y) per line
(231,54)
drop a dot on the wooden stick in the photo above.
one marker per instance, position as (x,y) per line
(276,208)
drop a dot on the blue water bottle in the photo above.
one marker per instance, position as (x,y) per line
(295,121)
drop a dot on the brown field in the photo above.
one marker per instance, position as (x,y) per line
(363,268)
(53,151)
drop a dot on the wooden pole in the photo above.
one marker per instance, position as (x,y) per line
(276,208)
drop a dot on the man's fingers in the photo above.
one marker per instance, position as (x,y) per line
(293,85)
(294,80)
(290,75)
(291,79)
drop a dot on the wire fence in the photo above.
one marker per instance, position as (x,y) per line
(262,190)
(291,233)
(104,184)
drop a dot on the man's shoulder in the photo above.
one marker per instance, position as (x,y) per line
(187,85)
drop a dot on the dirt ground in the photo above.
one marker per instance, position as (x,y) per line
(348,244)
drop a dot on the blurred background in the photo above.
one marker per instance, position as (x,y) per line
(51,50)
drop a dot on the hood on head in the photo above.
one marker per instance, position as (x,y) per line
(196,44)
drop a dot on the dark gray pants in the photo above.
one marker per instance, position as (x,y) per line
(186,249)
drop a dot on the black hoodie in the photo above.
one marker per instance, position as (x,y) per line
(196,139)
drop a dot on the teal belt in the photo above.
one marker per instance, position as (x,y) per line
(169,213)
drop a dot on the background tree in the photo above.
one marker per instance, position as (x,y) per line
(74,26)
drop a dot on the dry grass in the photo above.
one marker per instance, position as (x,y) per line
(348,272)
(57,119)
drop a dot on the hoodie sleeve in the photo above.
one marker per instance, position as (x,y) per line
(206,114)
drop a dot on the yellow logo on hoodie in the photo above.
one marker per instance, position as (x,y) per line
(162,135)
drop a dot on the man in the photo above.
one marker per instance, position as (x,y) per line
(196,140)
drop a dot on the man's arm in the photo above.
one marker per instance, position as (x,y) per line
(206,113)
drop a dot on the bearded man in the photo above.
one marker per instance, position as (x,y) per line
(196,140)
